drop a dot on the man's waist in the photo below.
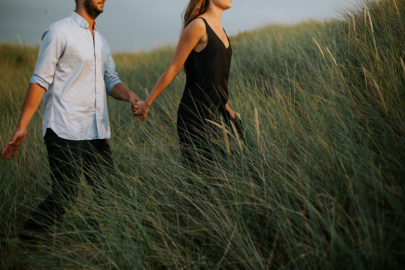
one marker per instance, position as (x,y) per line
(77,132)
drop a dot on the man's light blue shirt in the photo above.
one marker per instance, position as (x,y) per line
(77,73)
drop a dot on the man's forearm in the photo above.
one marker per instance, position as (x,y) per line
(33,98)
(121,92)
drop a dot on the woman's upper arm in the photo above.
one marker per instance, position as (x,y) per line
(189,39)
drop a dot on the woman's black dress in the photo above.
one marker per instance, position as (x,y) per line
(204,98)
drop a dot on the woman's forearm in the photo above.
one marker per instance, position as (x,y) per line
(164,81)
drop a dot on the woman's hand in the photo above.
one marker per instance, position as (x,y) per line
(232,113)
(141,110)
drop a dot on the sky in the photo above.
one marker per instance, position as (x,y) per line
(139,25)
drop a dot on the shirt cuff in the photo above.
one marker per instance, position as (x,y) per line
(38,80)
(112,84)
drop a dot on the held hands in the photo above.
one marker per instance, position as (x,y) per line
(133,100)
(136,109)
(141,110)
(10,150)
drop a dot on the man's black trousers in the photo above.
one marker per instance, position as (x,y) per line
(68,160)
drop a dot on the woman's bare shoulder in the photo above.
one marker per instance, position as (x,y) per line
(196,25)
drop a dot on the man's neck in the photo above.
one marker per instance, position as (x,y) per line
(82,12)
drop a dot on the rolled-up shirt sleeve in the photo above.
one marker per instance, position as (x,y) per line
(51,49)
(110,75)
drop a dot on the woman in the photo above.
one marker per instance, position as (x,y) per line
(206,51)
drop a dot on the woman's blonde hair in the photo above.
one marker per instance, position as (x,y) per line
(194,9)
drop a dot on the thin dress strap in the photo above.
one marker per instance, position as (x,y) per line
(202,19)
(208,26)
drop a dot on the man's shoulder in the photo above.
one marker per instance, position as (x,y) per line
(59,28)
(64,23)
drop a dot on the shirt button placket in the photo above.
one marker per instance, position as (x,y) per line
(95,87)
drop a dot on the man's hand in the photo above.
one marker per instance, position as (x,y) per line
(133,101)
(10,150)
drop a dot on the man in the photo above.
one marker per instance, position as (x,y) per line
(73,74)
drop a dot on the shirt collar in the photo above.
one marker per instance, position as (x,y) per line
(80,20)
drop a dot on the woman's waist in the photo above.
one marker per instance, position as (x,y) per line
(207,95)
(196,109)
(208,104)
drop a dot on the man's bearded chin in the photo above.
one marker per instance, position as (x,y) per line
(92,9)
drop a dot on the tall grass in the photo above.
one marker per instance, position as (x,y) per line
(317,183)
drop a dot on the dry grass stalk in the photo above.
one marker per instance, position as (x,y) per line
(396,8)
(371,22)
(225,133)
(354,24)
(369,76)
(331,55)
(319,47)
(402,64)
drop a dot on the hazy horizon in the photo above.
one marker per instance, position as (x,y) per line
(134,25)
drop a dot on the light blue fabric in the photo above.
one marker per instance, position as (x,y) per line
(77,73)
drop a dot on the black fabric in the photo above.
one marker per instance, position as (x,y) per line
(204,97)
(68,160)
